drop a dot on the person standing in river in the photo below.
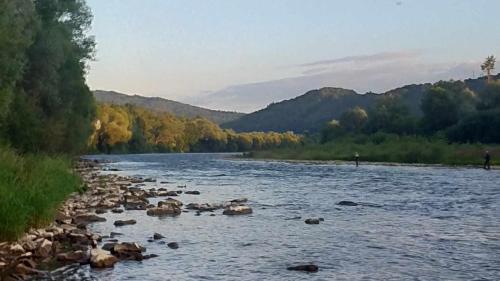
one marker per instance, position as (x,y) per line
(356,158)
(487,159)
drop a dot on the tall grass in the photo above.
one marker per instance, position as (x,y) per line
(388,148)
(32,187)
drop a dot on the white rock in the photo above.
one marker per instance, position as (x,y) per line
(102,259)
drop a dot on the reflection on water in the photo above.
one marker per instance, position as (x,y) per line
(413,223)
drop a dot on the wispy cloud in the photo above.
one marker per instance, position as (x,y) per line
(385,56)
(377,72)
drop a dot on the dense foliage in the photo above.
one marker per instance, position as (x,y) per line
(449,109)
(45,104)
(123,129)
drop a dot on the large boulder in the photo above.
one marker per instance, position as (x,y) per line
(164,210)
(170,201)
(128,251)
(237,210)
(78,256)
(204,207)
(101,259)
(87,219)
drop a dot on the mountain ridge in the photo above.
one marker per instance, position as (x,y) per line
(165,105)
(310,111)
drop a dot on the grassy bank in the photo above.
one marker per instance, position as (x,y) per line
(383,148)
(31,189)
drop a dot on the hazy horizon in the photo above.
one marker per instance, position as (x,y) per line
(240,56)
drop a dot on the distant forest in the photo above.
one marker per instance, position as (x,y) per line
(450,110)
(132,129)
(308,113)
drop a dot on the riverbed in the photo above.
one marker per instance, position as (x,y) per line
(412,223)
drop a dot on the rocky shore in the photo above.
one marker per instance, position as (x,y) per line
(68,239)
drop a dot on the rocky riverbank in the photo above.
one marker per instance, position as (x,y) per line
(68,239)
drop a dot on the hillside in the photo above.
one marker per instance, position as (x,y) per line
(165,105)
(309,112)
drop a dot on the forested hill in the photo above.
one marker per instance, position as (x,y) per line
(311,111)
(164,105)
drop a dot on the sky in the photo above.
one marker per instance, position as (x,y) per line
(242,55)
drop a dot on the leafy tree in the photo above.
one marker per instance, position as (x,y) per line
(331,131)
(483,127)
(115,127)
(390,115)
(444,104)
(52,87)
(17,19)
(488,66)
(353,119)
(490,96)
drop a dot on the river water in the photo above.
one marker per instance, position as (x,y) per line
(413,223)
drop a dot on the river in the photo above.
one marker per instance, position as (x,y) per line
(413,223)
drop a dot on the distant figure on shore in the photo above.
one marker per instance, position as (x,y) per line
(487,159)
(356,158)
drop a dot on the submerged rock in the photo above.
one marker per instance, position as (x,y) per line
(149,256)
(117,211)
(171,193)
(108,246)
(347,203)
(158,236)
(192,192)
(237,210)
(124,222)
(305,267)
(173,245)
(239,200)
(138,206)
(312,221)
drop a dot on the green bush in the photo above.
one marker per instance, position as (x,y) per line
(31,189)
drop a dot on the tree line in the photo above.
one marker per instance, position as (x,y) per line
(46,105)
(450,110)
(132,129)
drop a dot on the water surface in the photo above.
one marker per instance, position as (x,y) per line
(415,223)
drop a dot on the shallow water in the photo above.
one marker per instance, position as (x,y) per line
(415,223)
